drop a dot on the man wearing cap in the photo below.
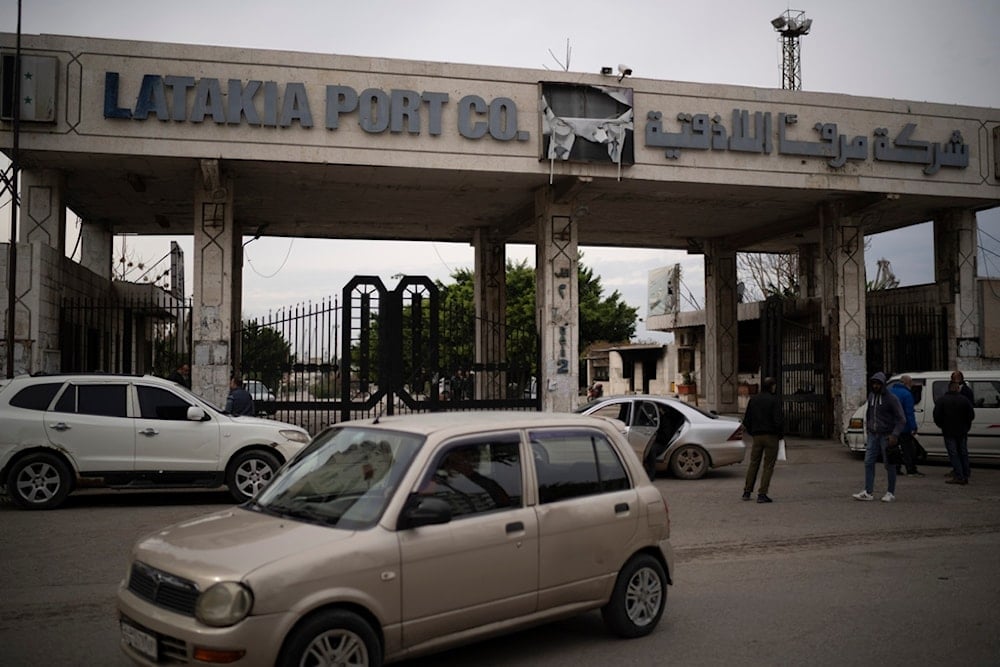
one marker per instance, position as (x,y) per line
(884,421)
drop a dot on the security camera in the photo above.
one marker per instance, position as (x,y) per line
(624,70)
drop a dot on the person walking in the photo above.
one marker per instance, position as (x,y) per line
(953,414)
(884,421)
(239,403)
(763,420)
(907,444)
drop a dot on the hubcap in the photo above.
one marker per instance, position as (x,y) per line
(643,597)
(336,648)
(38,482)
(252,476)
(690,460)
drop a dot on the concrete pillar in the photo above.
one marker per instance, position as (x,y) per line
(719,379)
(217,269)
(557,304)
(96,248)
(955,247)
(490,294)
(808,265)
(842,256)
(42,235)
(43,208)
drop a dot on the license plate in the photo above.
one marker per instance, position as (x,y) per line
(143,642)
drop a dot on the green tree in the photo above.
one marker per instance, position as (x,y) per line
(265,352)
(602,318)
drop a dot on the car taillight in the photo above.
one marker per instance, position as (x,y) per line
(856,424)
(737,434)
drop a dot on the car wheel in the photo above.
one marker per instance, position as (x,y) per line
(39,482)
(334,637)
(689,462)
(639,598)
(250,472)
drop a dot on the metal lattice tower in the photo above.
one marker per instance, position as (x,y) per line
(791,26)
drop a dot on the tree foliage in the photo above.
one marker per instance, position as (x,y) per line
(602,318)
(265,351)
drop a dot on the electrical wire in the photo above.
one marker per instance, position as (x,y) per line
(276,271)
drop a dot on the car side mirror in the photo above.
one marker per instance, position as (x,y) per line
(195,414)
(423,511)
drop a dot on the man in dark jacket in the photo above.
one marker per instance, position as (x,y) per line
(240,402)
(953,414)
(763,421)
(884,421)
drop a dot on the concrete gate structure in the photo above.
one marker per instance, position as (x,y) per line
(169,139)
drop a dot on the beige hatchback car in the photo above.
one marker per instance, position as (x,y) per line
(394,537)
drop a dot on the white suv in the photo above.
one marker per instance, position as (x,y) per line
(125,431)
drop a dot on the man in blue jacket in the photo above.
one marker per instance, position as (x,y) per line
(907,444)
(884,421)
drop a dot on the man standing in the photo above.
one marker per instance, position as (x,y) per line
(763,421)
(884,421)
(963,389)
(903,391)
(181,375)
(953,414)
(240,402)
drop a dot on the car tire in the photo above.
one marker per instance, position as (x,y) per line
(689,462)
(332,637)
(638,599)
(249,472)
(39,481)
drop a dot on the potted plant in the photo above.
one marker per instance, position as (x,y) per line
(687,385)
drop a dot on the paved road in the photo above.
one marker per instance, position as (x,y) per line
(815,577)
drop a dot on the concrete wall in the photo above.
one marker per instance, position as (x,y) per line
(44,277)
(81,126)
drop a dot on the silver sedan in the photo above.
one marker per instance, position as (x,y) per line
(670,434)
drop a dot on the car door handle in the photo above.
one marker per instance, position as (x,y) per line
(149,431)
(621,508)
(515,527)
(61,426)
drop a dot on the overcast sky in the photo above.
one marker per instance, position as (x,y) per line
(924,50)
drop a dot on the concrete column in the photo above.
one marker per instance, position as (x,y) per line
(557,304)
(490,294)
(719,379)
(42,236)
(43,208)
(842,256)
(217,263)
(955,247)
(808,277)
(96,248)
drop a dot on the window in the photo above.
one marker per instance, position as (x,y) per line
(37,396)
(579,463)
(612,410)
(157,403)
(986,394)
(477,477)
(104,400)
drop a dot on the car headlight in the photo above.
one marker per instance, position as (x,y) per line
(225,603)
(294,436)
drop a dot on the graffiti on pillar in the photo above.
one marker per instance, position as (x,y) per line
(562,272)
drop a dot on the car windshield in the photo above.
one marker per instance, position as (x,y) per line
(345,478)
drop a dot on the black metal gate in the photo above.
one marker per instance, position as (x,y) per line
(409,353)
(796,353)
(903,338)
(385,351)
(141,333)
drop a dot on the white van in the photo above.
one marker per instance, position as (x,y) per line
(984,438)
